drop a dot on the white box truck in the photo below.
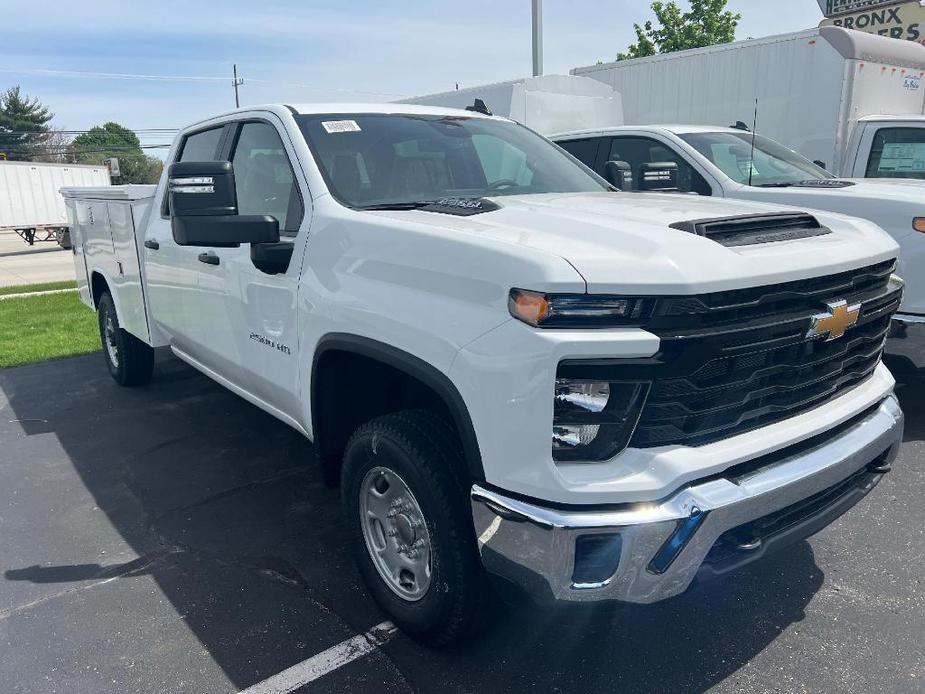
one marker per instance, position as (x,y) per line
(30,204)
(547,104)
(848,99)
(513,371)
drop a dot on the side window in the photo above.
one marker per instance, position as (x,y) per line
(584,151)
(502,161)
(637,151)
(201,146)
(897,153)
(264,179)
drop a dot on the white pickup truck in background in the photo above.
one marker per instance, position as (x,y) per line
(851,100)
(512,370)
(734,163)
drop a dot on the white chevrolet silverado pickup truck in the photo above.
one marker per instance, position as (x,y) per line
(512,370)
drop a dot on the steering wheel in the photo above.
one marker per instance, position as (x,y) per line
(503,183)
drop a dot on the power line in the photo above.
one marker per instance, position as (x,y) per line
(112,75)
(189,78)
(64,149)
(146,131)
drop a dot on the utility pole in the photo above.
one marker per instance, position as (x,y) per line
(237,83)
(537,37)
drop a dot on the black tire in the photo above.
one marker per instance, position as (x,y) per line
(426,454)
(130,361)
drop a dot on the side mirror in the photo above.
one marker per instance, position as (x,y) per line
(820,164)
(659,175)
(204,208)
(619,174)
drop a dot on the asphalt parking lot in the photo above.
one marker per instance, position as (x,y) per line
(177,539)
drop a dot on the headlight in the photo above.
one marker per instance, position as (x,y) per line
(594,420)
(577,310)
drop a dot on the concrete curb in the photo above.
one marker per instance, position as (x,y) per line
(47,291)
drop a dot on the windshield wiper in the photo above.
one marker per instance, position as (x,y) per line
(402,205)
(462,207)
(776,185)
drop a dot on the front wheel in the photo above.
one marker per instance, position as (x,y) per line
(408,513)
(130,361)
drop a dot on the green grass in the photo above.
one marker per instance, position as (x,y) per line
(42,287)
(36,328)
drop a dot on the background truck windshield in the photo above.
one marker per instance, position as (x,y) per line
(376,159)
(772,165)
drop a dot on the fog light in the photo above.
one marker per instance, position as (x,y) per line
(593,420)
(572,435)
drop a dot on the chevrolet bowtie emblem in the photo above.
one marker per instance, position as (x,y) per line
(833,323)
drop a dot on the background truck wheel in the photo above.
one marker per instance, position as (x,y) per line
(130,360)
(408,513)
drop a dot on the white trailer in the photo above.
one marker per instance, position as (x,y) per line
(30,204)
(822,92)
(548,104)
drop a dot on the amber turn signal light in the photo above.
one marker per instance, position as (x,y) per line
(530,307)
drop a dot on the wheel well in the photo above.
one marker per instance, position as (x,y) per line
(98,287)
(350,386)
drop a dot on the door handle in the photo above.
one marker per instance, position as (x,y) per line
(209,259)
(152,244)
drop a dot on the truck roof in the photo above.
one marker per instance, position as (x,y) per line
(345,108)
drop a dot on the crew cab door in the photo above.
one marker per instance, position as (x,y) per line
(171,270)
(247,311)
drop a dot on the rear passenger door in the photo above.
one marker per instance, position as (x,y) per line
(588,151)
(171,270)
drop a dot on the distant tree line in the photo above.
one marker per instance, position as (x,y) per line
(26,135)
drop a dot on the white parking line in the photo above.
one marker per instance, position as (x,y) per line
(327,661)
(490,531)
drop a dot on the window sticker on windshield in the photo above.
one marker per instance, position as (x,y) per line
(340,126)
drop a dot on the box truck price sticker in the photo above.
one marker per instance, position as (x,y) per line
(901,157)
(340,126)
(912,83)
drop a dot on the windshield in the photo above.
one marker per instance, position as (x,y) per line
(772,165)
(371,160)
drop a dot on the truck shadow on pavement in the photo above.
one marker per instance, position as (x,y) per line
(223,507)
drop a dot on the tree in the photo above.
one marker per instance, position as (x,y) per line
(54,148)
(23,125)
(114,140)
(706,23)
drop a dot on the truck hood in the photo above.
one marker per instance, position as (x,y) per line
(622,242)
(893,189)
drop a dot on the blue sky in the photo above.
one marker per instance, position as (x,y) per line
(313,50)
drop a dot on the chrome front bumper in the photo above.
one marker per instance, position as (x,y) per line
(535,547)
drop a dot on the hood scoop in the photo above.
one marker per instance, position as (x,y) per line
(461,207)
(747,230)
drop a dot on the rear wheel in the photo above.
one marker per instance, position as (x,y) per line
(408,512)
(130,361)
